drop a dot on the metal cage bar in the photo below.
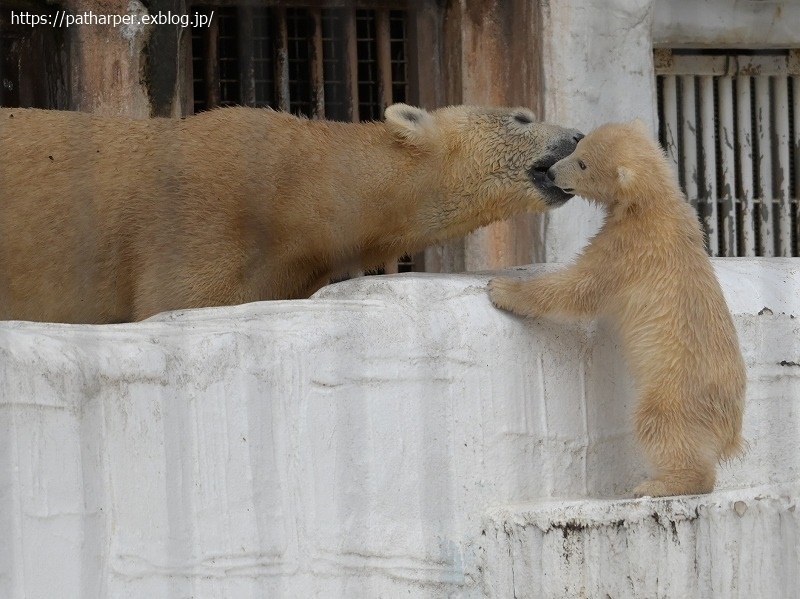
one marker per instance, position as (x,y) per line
(384,43)
(796,145)
(782,166)
(689,138)
(316,66)
(709,153)
(247,72)
(281,60)
(727,162)
(212,64)
(351,65)
(745,137)
(765,192)
(670,96)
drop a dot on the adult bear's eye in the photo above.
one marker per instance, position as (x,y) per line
(582,164)
(522,118)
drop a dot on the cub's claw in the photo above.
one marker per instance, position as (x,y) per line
(503,291)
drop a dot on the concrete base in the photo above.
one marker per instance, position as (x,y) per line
(730,544)
(367,443)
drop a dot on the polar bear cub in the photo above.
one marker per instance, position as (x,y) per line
(647,272)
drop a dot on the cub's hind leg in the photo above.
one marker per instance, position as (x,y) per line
(684,456)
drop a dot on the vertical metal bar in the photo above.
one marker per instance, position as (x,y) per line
(796,142)
(247,72)
(781,108)
(728,164)
(745,135)
(709,149)
(316,66)
(211,60)
(281,60)
(351,64)
(765,190)
(689,138)
(670,96)
(383,41)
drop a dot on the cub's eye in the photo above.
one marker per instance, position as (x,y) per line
(582,164)
(522,118)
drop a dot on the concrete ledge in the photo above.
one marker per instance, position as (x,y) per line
(742,543)
(344,446)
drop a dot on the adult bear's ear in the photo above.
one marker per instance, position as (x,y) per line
(410,124)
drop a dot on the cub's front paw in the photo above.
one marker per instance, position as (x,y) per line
(503,293)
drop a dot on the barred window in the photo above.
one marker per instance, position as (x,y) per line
(338,63)
(729,121)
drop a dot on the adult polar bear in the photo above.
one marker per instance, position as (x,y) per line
(112,220)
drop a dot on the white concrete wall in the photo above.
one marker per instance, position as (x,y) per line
(394,436)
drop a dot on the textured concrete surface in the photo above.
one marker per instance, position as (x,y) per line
(728,545)
(360,444)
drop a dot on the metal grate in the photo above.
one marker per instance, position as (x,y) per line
(337,63)
(730,123)
(33,59)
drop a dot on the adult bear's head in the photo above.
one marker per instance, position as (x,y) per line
(495,157)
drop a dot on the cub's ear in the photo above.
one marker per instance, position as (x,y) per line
(411,124)
(625,177)
(640,125)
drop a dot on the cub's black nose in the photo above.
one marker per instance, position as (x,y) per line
(578,136)
(550,174)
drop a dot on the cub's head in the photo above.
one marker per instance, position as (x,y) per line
(613,163)
(495,157)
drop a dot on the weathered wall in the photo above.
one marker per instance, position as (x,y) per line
(598,68)
(107,63)
(373,441)
(490,53)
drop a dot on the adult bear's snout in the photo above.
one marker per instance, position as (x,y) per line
(551,174)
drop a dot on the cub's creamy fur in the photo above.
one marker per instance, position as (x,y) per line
(648,271)
(109,220)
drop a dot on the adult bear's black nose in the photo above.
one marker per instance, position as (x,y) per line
(550,174)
